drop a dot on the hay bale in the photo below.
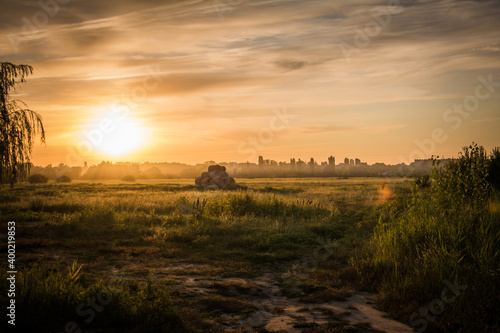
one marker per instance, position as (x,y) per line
(217,178)
(204,181)
(233,186)
(223,182)
(216,168)
(221,174)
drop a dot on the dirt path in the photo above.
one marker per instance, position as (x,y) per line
(277,311)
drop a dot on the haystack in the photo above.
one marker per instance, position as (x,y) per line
(217,179)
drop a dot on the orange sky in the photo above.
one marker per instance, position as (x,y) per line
(192,81)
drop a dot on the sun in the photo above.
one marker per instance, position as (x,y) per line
(126,136)
(117,135)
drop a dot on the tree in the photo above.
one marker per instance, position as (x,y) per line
(19,126)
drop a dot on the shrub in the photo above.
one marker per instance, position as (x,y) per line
(463,181)
(37,179)
(494,169)
(446,233)
(128,178)
(64,179)
(423,181)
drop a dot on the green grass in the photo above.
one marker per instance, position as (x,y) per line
(434,237)
(149,226)
(387,238)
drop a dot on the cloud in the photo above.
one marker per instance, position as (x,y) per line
(290,65)
(492,47)
(262,55)
(324,129)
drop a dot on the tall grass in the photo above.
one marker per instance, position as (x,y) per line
(451,230)
(49,297)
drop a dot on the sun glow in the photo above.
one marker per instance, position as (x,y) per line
(116,135)
(126,137)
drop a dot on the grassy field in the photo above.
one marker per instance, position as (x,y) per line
(143,237)
(168,257)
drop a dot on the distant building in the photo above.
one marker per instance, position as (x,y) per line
(331,161)
(427,163)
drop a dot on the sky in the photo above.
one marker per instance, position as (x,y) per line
(229,80)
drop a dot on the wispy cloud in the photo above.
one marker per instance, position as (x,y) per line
(264,54)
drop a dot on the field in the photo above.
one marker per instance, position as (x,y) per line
(290,255)
(219,258)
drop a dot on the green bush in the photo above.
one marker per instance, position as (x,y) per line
(423,181)
(37,179)
(463,182)
(494,169)
(447,232)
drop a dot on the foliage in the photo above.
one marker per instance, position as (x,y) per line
(494,169)
(128,178)
(463,181)
(19,126)
(450,231)
(423,181)
(64,179)
(37,179)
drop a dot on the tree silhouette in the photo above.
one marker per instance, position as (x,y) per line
(19,126)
